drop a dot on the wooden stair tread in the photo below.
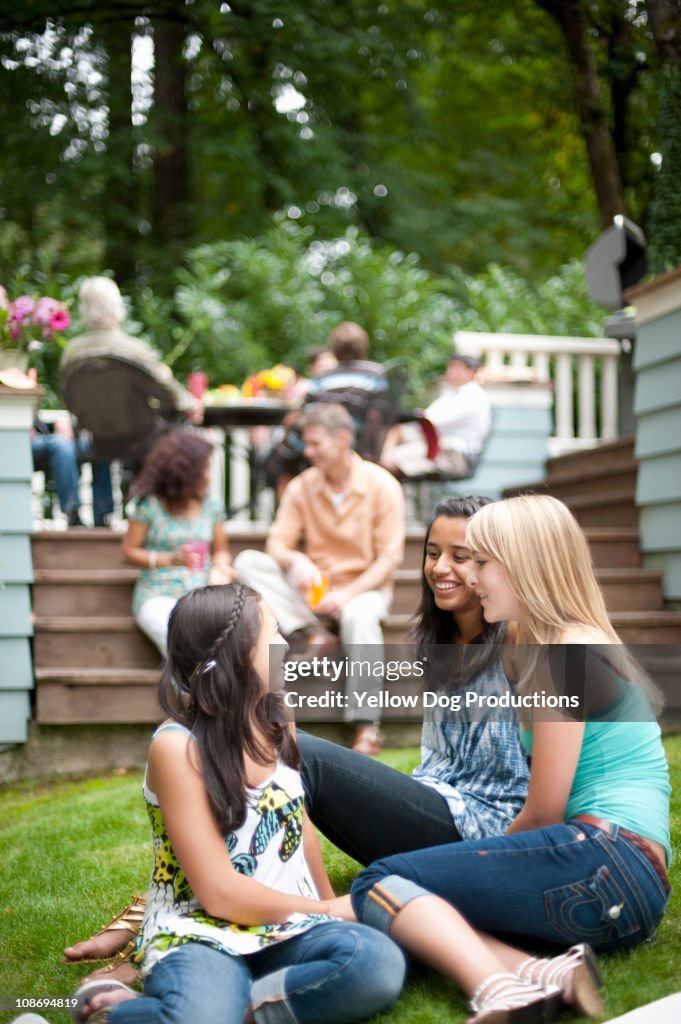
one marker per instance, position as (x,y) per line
(84,623)
(609,498)
(612,448)
(54,576)
(661,616)
(589,473)
(105,676)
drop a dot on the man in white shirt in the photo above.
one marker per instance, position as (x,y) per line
(461,416)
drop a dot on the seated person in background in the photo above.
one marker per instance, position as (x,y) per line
(349,513)
(57,451)
(461,416)
(321,361)
(176,532)
(354,382)
(102,310)
(357,383)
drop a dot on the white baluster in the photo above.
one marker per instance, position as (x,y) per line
(495,361)
(239,472)
(586,399)
(565,428)
(609,399)
(541,365)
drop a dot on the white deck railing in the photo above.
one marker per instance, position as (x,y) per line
(583,372)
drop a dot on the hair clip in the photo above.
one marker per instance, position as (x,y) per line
(208,666)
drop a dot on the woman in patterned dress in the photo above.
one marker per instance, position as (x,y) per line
(176,531)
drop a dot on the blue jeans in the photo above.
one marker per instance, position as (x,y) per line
(336,972)
(60,455)
(564,884)
(341,790)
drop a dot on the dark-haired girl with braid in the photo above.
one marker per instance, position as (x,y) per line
(472,780)
(237,922)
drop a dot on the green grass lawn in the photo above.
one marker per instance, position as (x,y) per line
(73,852)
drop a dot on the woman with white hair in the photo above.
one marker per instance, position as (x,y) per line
(103,311)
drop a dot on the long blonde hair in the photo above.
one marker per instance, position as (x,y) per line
(546,555)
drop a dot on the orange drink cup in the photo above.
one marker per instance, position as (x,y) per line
(316,593)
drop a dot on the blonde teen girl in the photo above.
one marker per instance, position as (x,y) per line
(585,861)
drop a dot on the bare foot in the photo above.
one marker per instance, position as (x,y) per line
(124,972)
(100,946)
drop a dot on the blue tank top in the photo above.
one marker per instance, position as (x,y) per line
(622,773)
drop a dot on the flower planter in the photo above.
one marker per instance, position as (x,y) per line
(13,357)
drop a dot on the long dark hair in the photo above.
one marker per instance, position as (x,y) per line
(434,627)
(209,684)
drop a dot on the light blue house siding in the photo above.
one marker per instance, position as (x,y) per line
(517,446)
(657,405)
(16,575)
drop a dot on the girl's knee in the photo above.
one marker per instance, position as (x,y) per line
(375,968)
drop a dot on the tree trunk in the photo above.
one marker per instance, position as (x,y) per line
(572,17)
(119,204)
(665,217)
(665,21)
(170,120)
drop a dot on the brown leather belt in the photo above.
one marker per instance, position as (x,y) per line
(640,841)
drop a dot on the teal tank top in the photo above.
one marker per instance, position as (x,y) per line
(622,773)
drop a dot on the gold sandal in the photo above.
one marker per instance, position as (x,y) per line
(121,957)
(130,920)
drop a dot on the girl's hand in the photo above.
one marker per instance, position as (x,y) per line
(182,556)
(340,906)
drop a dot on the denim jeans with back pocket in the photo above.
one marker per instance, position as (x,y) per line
(564,884)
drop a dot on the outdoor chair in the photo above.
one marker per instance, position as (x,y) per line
(125,410)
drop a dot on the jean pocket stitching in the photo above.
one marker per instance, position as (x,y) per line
(614,916)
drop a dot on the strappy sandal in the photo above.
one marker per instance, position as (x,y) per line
(508,999)
(576,974)
(93,988)
(129,920)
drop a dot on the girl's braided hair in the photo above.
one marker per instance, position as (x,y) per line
(209,684)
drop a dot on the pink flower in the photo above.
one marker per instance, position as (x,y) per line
(44,310)
(21,309)
(60,319)
(30,322)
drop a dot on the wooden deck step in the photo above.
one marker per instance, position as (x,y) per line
(634,627)
(101,548)
(98,592)
(624,589)
(92,642)
(612,508)
(604,455)
(593,480)
(614,546)
(72,695)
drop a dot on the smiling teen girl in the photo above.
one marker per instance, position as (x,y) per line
(585,860)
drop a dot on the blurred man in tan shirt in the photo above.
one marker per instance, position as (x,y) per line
(349,515)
